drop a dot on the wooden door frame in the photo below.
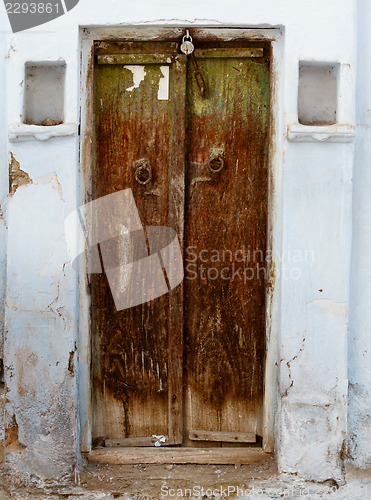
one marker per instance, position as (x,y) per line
(275,36)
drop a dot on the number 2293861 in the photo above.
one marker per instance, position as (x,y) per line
(32,8)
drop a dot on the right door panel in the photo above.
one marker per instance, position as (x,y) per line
(225,245)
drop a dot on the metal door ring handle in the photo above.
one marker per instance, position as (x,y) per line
(216,164)
(143,174)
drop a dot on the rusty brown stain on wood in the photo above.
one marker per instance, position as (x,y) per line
(225,318)
(17,177)
(130,348)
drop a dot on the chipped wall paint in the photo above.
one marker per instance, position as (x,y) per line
(41,413)
(163,86)
(139,73)
(16,175)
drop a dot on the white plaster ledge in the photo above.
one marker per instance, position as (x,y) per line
(22,132)
(326,133)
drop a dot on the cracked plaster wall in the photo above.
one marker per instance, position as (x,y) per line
(40,312)
(313,376)
(316,195)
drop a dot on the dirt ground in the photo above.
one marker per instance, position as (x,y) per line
(142,482)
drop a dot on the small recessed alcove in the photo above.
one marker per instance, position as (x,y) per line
(318,93)
(44,93)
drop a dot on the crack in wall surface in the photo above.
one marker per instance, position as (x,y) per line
(50,306)
(288,363)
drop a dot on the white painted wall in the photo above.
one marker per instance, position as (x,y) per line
(315,214)
(359,417)
(3,196)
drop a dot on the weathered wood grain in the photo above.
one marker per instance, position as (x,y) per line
(223,437)
(225,237)
(137,441)
(132,349)
(140,385)
(216,456)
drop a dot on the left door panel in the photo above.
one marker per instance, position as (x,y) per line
(137,353)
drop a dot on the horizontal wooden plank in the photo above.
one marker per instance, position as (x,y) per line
(135,441)
(211,456)
(134,59)
(219,53)
(166,58)
(226,437)
(120,47)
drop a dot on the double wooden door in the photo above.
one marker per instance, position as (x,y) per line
(186,368)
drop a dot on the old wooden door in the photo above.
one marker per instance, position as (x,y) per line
(189,365)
